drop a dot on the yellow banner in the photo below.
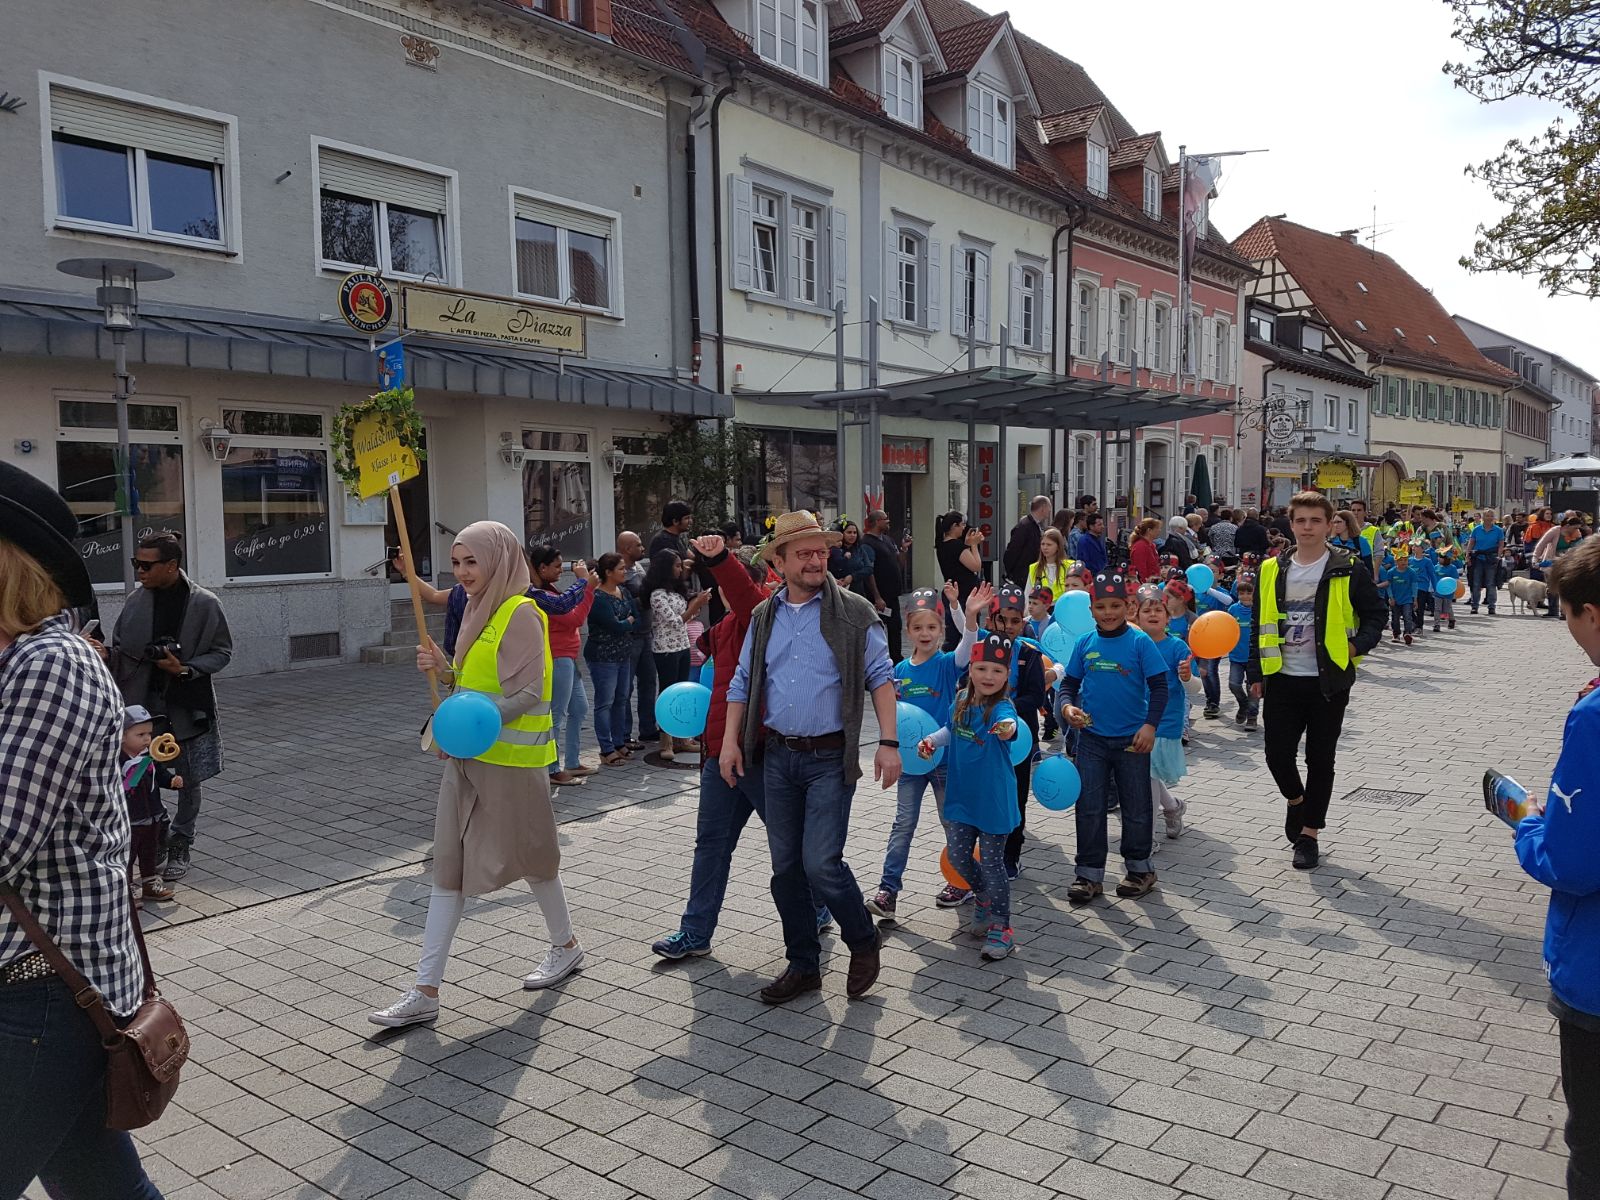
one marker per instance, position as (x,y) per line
(1334,475)
(491,319)
(1414,494)
(1461,504)
(383,461)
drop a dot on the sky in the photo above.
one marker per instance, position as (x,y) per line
(1351,104)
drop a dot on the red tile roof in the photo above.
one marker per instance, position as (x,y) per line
(1333,273)
(875,16)
(963,45)
(1134,151)
(649,35)
(1074,123)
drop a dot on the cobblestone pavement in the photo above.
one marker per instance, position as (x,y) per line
(1375,1028)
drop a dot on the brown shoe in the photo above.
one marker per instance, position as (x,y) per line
(863,970)
(155,888)
(1135,886)
(789,985)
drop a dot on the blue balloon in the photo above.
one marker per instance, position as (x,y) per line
(1021,745)
(1057,643)
(1073,614)
(1201,578)
(466,725)
(1446,586)
(708,672)
(1056,783)
(912,724)
(682,709)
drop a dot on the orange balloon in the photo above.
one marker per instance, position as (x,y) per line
(1213,635)
(1461,590)
(950,875)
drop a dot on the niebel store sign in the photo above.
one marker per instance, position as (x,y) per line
(439,312)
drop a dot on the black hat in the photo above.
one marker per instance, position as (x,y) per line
(1009,597)
(993,649)
(924,600)
(1109,586)
(35,518)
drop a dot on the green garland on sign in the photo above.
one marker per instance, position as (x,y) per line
(398,409)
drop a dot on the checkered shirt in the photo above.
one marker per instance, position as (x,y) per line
(63,823)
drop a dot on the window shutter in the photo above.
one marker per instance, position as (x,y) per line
(980,291)
(1405,397)
(742,200)
(554,214)
(1141,336)
(1014,309)
(1047,312)
(839,255)
(933,287)
(1103,333)
(103,119)
(373,179)
(891,270)
(958,294)
(1208,355)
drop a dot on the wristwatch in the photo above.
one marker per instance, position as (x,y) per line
(186,674)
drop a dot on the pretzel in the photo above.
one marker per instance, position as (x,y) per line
(165,748)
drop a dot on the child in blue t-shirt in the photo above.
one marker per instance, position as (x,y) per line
(926,679)
(1448,567)
(1167,765)
(1115,693)
(1041,606)
(1209,669)
(981,807)
(1239,656)
(1030,687)
(1396,580)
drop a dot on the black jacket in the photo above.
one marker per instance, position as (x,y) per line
(1251,538)
(1022,551)
(1371,615)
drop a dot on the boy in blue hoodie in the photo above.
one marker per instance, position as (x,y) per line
(1560,847)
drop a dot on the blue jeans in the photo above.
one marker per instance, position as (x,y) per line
(907,811)
(52,1102)
(808,816)
(1211,680)
(1238,684)
(1102,760)
(569,705)
(1481,573)
(611,684)
(644,688)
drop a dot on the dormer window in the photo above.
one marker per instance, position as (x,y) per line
(1099,168)
(989,125)
(902,86)
(1152,193)
(791,33)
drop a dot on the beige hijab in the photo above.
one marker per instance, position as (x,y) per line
(505,571)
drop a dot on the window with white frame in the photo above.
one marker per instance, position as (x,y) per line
(1160,335)
(1126,326)
(1330,413)
(1084,336)
(1352,413)
(902,86)
(911,270)
(971,293)
(765,226)
(1302,407)
(805,240)
(275,513)
(381,215)
(787,242)
(1099,168)
(1222,352)
(793,34)
(1083,465)
(564,254)
(989,124)
(1031,302)
(557,491)
(139,170)
(1152,192)
(1191,346)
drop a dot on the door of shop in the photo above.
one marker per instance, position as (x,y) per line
(897,503)
(417,502)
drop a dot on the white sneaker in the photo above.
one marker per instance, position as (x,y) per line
(414,1008)
(1175,819)
(557,965)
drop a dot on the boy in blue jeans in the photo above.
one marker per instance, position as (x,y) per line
(1239,657)
(1115,693)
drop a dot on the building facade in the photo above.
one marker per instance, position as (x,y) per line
(446,146)
(1565,388)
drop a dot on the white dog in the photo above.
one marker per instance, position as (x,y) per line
(1530,592)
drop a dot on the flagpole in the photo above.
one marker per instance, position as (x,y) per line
(1180,460)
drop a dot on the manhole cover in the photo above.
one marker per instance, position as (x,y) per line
(1385,797)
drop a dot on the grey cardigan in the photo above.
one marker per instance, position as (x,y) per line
(207,648)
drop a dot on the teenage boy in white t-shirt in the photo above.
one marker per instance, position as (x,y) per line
(1317,611)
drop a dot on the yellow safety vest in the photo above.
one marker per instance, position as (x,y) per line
(1057,586)
(1340,627)
(525,741)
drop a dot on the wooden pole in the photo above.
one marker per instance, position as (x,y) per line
(411,578)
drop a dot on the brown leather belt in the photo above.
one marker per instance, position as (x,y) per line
(806,745)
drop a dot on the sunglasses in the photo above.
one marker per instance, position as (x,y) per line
(141,564)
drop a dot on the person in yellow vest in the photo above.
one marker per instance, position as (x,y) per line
(1317,611)
(494,823)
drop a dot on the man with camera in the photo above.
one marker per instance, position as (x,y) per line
(170,638)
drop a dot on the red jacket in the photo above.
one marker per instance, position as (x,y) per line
(566,640)
(741,594)
(1143,558)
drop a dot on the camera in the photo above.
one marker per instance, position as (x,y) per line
(162,647)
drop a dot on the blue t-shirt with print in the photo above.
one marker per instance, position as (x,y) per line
(1402,584)
(1178,627)
(1114,670)
(1172,653)
(982,786)
(930,686)
(1241,613)
(1212,600)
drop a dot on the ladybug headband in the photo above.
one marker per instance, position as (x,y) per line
(1179,589)
(992,649)
(1151,593)
(1108,586)
(1008,597)
(925,600)
(1042,593)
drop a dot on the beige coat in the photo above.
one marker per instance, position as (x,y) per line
(495,824)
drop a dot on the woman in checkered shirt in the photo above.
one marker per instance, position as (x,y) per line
(64,849)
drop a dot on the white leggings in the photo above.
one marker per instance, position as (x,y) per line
(1161,794)
(444,914)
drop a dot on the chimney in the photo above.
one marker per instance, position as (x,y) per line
(1353,236)
(596,16)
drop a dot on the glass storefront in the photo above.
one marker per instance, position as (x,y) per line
(795,469)
(557,492)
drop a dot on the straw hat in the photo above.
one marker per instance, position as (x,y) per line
(792,526)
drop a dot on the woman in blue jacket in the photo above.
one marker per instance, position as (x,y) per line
(1560,847)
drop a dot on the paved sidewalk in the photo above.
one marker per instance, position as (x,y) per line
(1374,1029)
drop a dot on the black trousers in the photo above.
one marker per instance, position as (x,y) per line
(1291,708)
(1024,769)
(891,629)
(1580,1086)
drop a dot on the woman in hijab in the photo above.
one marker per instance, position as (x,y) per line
(494,823)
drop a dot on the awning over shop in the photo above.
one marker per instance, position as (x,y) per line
(48,325)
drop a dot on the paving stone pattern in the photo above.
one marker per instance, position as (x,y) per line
(1374,1029)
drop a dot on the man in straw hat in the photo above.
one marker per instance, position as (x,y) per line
(812,653)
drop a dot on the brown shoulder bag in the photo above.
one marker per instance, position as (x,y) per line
(142,1057)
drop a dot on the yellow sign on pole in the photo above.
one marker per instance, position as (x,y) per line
(1461,504)
(1332,475)
(384,462)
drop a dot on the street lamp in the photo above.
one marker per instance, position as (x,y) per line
(118,297)
(1455,481)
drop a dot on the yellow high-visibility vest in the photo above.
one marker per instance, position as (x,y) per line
(1340,627)
(525,741)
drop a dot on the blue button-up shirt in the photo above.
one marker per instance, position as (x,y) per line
(803,689)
